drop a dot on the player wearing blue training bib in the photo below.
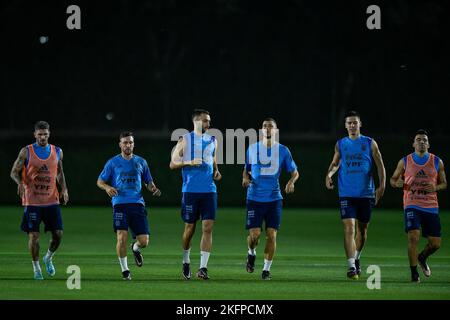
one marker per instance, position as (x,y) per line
(264,162)
(122,179)
(354,157)
(195,154)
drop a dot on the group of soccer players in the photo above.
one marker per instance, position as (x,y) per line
(39,175)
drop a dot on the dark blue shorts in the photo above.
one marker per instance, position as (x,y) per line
(131,216)
(198,205)
(430,222)
(269,212)
(33,215)
(357,208)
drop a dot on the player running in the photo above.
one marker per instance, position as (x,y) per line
(421,174)
(354,157)
(195,154)
(125,174)
(38,172)
(264,162)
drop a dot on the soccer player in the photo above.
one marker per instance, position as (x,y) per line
(195,154)
(264,162)
(421,174)
(125,174)
(38,172)
(354,157)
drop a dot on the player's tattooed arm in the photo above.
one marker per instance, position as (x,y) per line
(17,169)
(396,180)
(333,168)
(61,179)
(376,154)
(442,180)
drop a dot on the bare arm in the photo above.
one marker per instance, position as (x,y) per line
(246,179)
(18,165)
(104,186)
(376,154)
(153,189)
(442,180)
(333,168)
(396,180)
(290,184)
(61,179)
(216,174)
(176,160)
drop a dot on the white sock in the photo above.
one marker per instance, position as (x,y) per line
(36,266)
(357,254)
(136,247)
(186,254)
(267,265)
(204,257)
(123,263)
(49,255)
(351,262)
(252,251)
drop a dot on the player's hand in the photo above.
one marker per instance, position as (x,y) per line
(111,191)
(246,182)
(155,191)
(430,187)
(378,194)
(64,197)
(20,189)
(196,162)
(399,183)
(329,183)
(217,176)
(289,188)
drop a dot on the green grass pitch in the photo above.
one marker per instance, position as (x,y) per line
(309,263)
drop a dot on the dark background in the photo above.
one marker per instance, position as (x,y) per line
(150,63)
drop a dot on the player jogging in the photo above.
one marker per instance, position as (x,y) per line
(353,158)
(195,154)
(264,162)
(125,174)
(38,172)
(421,174)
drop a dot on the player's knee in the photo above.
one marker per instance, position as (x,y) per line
(255,234)
(271,236)
(349,231)
(57,235)
(143,243)
(207,229)
(34,237)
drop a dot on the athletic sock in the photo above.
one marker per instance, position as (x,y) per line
(204,257)
(252,252)
(186,258)
(357,254)
(49,255)
(267,265)
(351,263)
(36,266)
(136,247)
(123,264)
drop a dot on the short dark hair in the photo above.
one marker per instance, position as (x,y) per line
(352,113)
(198,112)
(41,125)
(125,134)
(421,131)
(270,119)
